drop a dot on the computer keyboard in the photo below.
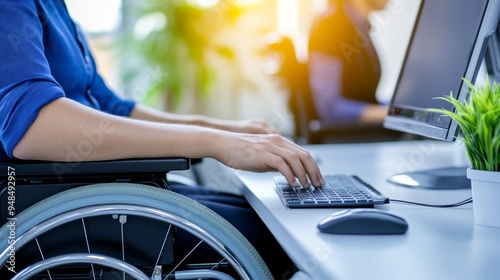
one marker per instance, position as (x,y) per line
(339,191)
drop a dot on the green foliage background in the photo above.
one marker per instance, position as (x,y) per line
(178,45)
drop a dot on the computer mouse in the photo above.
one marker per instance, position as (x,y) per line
(363,221)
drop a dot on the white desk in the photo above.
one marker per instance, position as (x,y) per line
(441,244)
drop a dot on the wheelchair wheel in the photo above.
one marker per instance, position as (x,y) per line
(89,233)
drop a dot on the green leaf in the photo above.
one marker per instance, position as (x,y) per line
(479,121)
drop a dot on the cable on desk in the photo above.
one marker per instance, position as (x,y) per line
(463,202)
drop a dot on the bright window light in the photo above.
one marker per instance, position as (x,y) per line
(149,23)
(288,17)
(96,16)
(203,3)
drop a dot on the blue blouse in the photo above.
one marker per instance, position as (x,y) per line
(43,57)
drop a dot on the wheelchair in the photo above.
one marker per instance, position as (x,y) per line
(112,220)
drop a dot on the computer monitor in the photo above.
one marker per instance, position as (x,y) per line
(449,42)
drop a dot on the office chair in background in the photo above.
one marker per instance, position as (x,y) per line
(309,128)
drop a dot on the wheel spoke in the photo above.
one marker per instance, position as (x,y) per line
(162,247)
(88,246)
(217,264)
(41,254)
(122,219)
(183,259)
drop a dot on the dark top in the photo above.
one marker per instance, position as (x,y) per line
(44,57)
(343,62)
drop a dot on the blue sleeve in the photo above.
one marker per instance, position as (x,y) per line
(326,86)
(26,84)
(107,99)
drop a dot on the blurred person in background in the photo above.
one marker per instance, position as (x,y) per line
(344,67)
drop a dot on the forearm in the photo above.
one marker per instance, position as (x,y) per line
(141,112)
(67,131)
(254,126)
(373,114)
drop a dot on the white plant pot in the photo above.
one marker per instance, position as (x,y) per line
(486,196)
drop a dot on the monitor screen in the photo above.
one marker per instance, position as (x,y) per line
(448,43)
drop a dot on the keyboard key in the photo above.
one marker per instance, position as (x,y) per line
(293,203)
(309,201)
(336,202)
(323,201)
(286,189)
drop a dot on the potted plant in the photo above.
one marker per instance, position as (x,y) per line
(479,122)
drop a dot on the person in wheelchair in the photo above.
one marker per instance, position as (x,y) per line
(52,97)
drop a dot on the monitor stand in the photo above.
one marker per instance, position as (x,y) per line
(447,178)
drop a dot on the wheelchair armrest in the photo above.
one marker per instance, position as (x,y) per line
(36,180)
(121,166)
